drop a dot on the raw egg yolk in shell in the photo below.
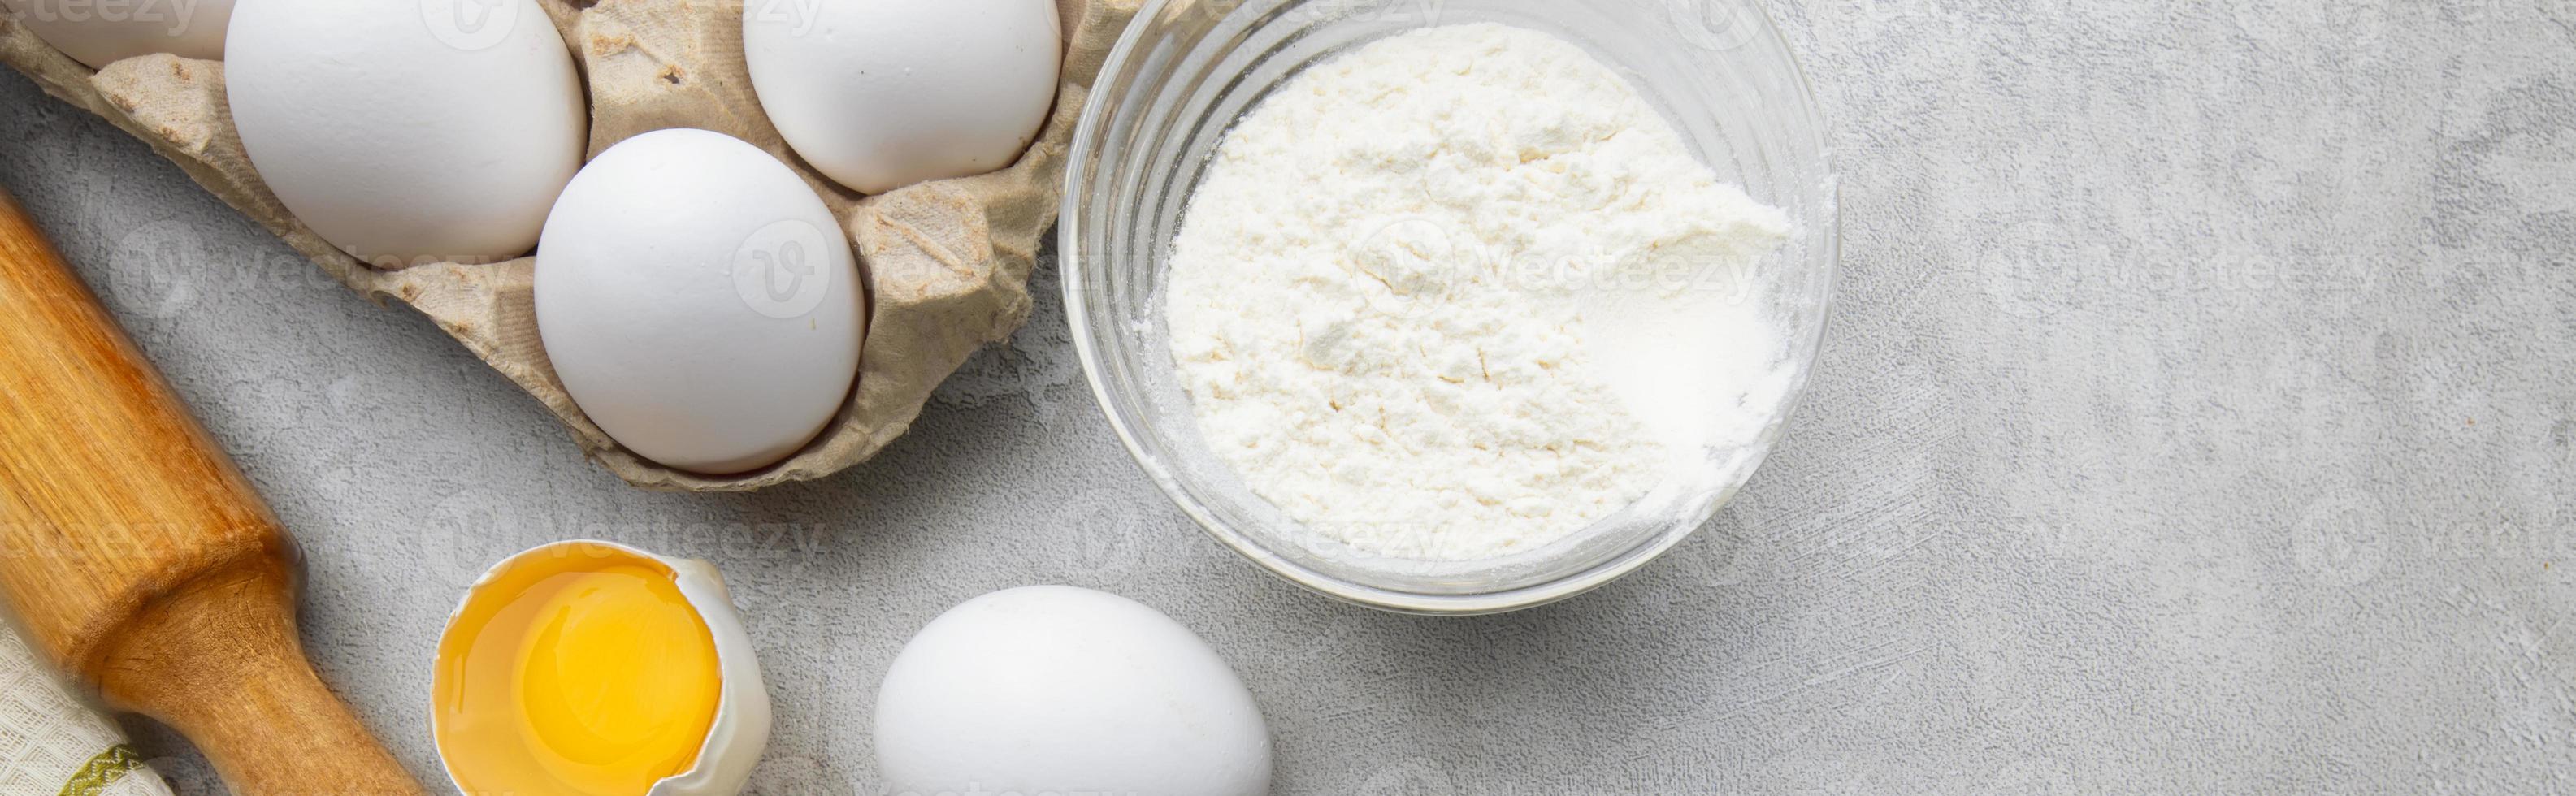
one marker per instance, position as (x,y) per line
(586,673)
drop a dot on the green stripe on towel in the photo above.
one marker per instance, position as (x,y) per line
(94,776)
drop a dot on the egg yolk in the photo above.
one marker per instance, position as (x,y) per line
(575,674)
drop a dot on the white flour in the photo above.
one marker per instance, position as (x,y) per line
(1462,292)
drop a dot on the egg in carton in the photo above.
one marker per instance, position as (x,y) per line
(946,262)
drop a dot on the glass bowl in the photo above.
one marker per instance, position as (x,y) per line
(1187,69)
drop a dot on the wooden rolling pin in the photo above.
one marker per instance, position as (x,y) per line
(140,560)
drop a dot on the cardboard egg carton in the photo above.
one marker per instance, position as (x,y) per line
(946,263)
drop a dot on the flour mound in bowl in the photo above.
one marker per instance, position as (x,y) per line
(1405,300)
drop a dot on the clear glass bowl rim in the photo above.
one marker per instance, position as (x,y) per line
(1077,300)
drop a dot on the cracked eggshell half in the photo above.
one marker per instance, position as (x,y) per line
(408,132)
(98,32)
(597,669)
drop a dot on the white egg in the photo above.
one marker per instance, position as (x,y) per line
(1053,689)
(408,132)
(880,94)
(699,301)
(102,32)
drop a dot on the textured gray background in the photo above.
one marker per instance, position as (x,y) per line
(2196,417)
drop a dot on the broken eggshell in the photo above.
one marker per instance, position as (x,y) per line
(467,741)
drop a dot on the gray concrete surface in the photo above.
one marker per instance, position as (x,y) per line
(2197,418)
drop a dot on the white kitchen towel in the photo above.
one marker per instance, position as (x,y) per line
(51,743)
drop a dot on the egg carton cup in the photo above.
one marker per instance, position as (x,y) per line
(946,263)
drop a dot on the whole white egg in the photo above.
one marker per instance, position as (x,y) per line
(1053,689)
(408,132)
(699,301)
(102,32)
(880,94)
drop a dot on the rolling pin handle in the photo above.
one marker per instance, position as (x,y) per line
(276,730)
